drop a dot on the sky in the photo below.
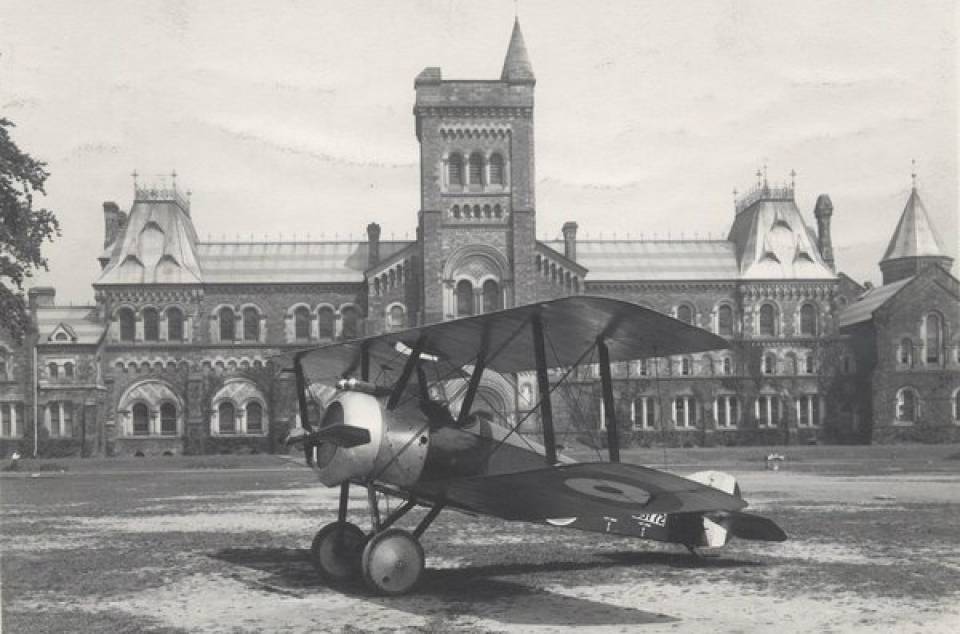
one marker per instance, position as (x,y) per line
(293,118)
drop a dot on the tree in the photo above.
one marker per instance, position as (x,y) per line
(23,229)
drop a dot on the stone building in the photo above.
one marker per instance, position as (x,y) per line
(174,353)
(905,336)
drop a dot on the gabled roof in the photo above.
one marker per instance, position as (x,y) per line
(79,321)
(643,260)
(863,309)
(772,241)
(288,262)
(516,65)
(915,235)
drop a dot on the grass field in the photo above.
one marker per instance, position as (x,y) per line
(219,544)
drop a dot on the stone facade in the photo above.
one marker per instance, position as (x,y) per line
(176,353)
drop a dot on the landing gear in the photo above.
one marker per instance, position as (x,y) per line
(337,550)
(390,560)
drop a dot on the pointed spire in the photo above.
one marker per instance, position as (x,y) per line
(516,66)
(915,235)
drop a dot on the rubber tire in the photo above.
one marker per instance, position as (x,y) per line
(338,562)
(392,562)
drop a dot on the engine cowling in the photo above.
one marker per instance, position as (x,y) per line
(395,453)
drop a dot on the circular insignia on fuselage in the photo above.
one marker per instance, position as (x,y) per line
(609,490)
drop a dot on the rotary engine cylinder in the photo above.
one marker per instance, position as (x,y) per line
(398,445)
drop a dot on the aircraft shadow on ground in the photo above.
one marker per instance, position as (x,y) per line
(476,590)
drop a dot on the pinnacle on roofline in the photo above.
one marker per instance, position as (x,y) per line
(516,66)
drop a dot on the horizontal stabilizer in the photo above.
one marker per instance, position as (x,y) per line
(748,526)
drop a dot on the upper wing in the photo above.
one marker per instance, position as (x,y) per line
(572,324)
(596,489)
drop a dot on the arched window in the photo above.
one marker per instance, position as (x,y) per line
(809,364)
(128,324)
(325,319)
(68,370)
(151,324)
(808,320)
(769,363)
(228,324)
(392,276)
(174,324)
(792,364)
(455,170)
(933,337)
(464,298)
(686,366)
(61,336)
(497,211)
(251,324)
(168,419)
(350,319)
(301,323)
(397,318)
(227,418)
(53,370)
(491,296)
(455,211)
(141,420)
(767,325)
(908,405)
(254,418)
(685,313)
(906,353)
(496,170)
(727,366)
(476,168)
(725,321)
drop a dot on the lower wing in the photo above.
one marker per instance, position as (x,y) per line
(583,489)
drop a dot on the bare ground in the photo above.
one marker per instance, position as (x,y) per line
(873,547)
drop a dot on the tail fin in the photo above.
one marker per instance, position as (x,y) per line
(716,535)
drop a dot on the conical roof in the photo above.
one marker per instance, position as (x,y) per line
(915,235)
(516,66)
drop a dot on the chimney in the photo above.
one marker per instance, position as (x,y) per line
(823,211)
(41,296)
(570,240)
(114,221)
(373,244)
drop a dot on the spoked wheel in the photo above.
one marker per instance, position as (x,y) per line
(392,562)
(336,551)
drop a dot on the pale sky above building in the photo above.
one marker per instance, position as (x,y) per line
(295,118)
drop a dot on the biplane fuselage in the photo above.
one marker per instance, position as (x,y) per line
(393,437)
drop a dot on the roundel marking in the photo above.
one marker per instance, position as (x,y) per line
(609,490)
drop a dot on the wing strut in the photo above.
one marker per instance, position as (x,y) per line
(408,368)
(365,361)
(609,407)
(478,368)
(471,390)
(543,384)
(302,403)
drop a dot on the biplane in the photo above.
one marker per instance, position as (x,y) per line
(382,421)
